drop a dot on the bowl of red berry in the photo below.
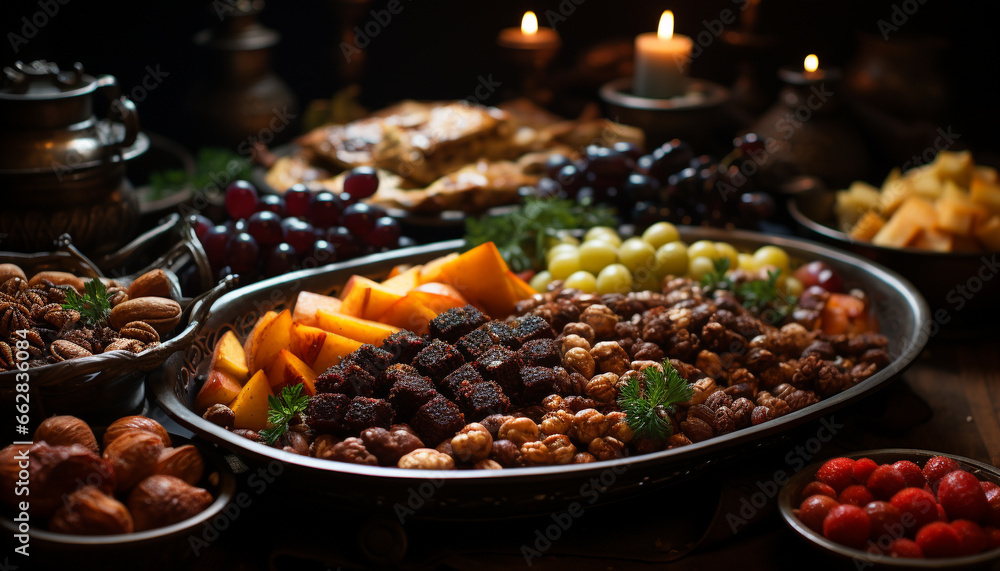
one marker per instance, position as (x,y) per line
(898,508)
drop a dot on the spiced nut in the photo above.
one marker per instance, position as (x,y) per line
(162,313)
(64,350)
(155,283)
(141,331)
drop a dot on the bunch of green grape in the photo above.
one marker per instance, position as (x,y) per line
(604,263)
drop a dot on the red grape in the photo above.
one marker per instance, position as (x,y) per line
(201,226)
(279,260)
(241,199)
(385,233)
(322,253)
(271,203)
(214,242)
(265,227)
(360,218)
(297,199)
(361,182)
(343,241)
(299,234)
(630,150)
(820,274)
(242,253)
(324,209)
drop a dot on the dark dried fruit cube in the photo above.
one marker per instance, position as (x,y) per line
(474,343)
(325,413)
(350,380)
(501,365)
(365,412)
(370,358)
(540,353)
(528,327)
(438,419)
(479,400)
(456,322)
(501,333)
(463,376)
(404,345)
(437,360)
(537,383)
(410,393)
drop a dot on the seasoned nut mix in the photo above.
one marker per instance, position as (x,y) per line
(390,445)
(578,329)
(606,448)
(583,458)
(64,350)
(352,450)
(140,331)
(697,429)
(609,357)
(602,389)
(561,450)
(558,422)
(519,431)
(426,459)
(505,453)
(534,454)
(162,313)
(572,342)
(472,444)
(579,360)
(322,447)
(588,424)
(487,465)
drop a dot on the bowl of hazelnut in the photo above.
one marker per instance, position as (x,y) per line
(137,493)
(898,508)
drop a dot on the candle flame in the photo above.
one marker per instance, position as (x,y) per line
(812,63)
(529,24)
(666,29)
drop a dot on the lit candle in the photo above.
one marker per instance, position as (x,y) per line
(811,67)
(661,61)
(809,74)
(529,35)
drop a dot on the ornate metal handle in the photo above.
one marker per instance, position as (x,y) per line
(122,111)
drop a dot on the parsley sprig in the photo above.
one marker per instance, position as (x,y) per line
(94,305)
(282,409)
(522,234)
(647,400)
(758,296)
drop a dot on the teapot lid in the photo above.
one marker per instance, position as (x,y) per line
(44,80)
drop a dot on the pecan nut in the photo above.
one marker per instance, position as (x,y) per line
(64,350)
(162,313)
(141,331)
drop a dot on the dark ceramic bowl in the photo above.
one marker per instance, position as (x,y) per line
(788,499)
(164,548)
(522,491)
(962,289)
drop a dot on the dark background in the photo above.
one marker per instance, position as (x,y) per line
(438,49)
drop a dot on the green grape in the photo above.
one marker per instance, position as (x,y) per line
(614,279)
(748,263)
(559,249)
(567,238)
(704,248)
(728,251)
(563,265)
(672,259)
(636,253)
(772,256)
(793,286)
(595,255)
(700,266)
(603,233)
(540,281)
(660,234)
(583,281)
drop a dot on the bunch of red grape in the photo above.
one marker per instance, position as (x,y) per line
(269,235)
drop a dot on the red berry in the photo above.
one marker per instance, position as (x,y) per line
(990,488)
(241,199)
(961,496)
(903,547)
(917,507)
(885,481)
(813,511)
(939,539)
(856,495)
(863,468)
(814,488)
(992,516)
(911,474)
(937,467)
(838,473)
(885,520)
(992,537)
(973,537)
(847,525)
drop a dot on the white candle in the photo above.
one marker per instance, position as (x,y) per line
(661,61)
(529,35)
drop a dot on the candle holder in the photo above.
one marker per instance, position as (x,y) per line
(695,116)
(531,58)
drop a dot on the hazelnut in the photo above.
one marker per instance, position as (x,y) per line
(487,465)
(142,423)
(426,459)
(184,462)
(160,500)
(295,442)
(505,452)
(66,430)
(54,472)
(534,454)
(472,444)
(493,422)
(89,511)
(519,431)
(133,456)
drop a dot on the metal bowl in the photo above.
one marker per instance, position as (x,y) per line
(959,287)
(486,493)
(162,548)
(788,499)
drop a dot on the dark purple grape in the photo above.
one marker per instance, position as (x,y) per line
(756,206)
(241,199)
(547,187)
(361,182)
(360,218)
(628,149)
(299,234)
(555,163)
(343,241)
(236,226)
(641,187)
(325,209)
(215,245)
(297,199)
(280,259)
(587,196)
(271,203)
(669,159)
(571,180)
(201,226)
(322,253)
(607,166)
(242,253)
(347,199)
(385,233)
(265,227)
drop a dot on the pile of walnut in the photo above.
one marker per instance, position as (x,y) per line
(743,371)
(139,483)
(141,313)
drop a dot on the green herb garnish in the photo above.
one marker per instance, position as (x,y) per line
(647,404)
(522,235)
(759,296)
(282,409)
(213,165)
(94,305)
